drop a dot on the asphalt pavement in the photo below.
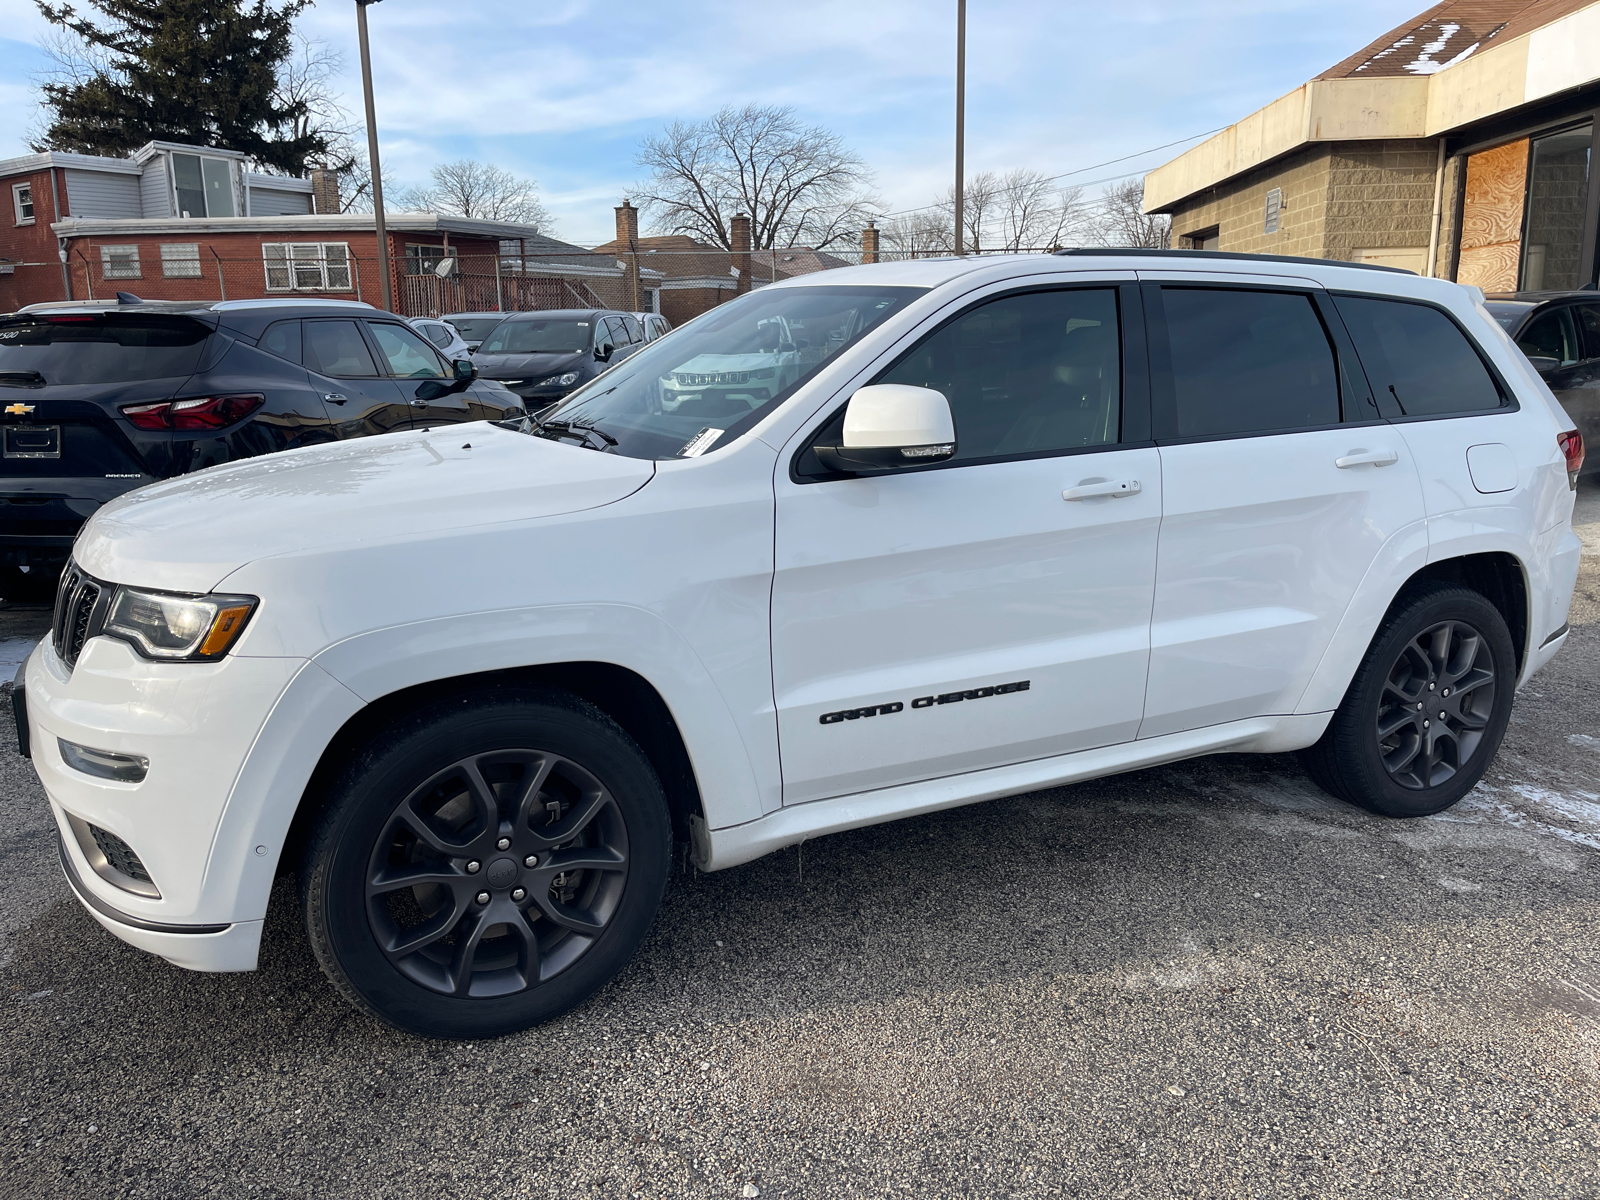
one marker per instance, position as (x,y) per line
(1207,979)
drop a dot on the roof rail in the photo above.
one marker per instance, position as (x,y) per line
(1136,252)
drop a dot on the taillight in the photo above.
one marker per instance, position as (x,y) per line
(203,412)
(1571,443)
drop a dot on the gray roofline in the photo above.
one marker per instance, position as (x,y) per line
(28,163)
(397,222)
(280,183)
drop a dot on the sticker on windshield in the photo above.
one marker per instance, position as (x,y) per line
(699,443)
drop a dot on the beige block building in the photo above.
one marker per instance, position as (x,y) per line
(1461,145)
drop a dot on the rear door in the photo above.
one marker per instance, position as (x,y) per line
(1282,484)
(344,370)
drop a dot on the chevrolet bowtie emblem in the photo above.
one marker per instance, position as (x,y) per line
(18,410)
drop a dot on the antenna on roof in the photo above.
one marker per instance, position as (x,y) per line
(128,298)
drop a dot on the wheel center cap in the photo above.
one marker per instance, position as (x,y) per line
(502,872)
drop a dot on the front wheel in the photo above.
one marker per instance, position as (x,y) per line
(487,864)
(1425,713)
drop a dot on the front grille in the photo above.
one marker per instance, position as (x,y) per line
(119,855)
(77,616)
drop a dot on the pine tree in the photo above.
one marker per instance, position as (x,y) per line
(195,71)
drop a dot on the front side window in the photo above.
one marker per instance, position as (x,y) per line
(717,376)
(307,266)
(337,348)
(439,335)
(1589,321)
(1554,335)
(1417,359)
(1244,362)
(635,333)
(180,260)
(408,356)
(1030,374)
(22,202)
(120,262)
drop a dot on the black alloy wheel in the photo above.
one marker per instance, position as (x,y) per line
(1427,708)
(486,864)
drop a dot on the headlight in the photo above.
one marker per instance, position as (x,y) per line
(567,380)
(164,626)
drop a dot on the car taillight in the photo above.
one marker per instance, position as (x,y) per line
(203,412)
(1571,443)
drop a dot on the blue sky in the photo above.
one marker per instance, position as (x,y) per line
(563,90)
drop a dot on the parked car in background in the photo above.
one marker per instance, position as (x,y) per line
(445,337)
(655,325)
(1008,523)
(541,356)
(1560,334)
(96,400)
(473,326)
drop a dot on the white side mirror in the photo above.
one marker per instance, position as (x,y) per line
(892,425)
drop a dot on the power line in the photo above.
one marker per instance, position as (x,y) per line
(1079,171)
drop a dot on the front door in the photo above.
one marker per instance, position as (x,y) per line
(425,381)
(1281,483)
(361,399)
(992,609)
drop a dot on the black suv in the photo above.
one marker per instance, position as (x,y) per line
(1560,334)
(96,400)
(541,356)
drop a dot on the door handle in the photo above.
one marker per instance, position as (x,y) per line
(1367,458)
(1115,487)
(334,397)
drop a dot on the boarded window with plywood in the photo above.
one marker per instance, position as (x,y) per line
(1491,217)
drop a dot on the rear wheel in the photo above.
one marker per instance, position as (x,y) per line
(487,865)
(1426,711)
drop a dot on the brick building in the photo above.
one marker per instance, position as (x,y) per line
(1459,145)
(176,222)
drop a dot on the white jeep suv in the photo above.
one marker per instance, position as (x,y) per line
(1007,523)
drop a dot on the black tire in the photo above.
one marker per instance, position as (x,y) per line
(393,876)
(1409,739)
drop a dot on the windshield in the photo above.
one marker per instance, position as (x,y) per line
(99,348)
(1507,312)
(473,328)
(564,335)
(721,373)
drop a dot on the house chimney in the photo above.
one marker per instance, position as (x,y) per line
(869,243)
(325,190)
(628,248)
(739,231)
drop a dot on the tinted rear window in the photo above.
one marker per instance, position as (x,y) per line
(1418,361)
(1246,362)
(104,348)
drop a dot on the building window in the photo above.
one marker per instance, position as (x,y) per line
(204,186)
(307,266)
(1205,239)
(119,262)
(426,260)
(180,260)
(1558,192)
(22,201)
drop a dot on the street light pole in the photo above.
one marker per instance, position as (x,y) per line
(372,156)
(961,115)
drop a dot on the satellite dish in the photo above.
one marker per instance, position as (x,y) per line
(446,268)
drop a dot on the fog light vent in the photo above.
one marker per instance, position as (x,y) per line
(124,768)
(119,855)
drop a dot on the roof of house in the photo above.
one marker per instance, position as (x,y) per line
(1459,63)
(321,223)
(680,257)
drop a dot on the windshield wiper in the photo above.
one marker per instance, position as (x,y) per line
(574,429)
(27,379)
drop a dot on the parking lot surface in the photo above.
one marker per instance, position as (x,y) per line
(1207,979)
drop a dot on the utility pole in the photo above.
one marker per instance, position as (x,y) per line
(961,114)
(372,156)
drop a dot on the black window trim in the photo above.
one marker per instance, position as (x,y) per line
(1508,396)
(1134,409)
(1332,327)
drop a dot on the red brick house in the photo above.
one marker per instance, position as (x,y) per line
(175,222)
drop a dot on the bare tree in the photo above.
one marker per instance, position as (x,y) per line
(355,177)
(305,86)
(1122,221)
(924,234)
(1030,214)
(799,184)
(482,190)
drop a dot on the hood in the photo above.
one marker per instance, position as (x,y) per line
(188,534)
(528,366)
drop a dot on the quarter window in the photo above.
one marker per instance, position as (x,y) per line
(1245,362)
(1029,374)
(307,266)
(22,201)
(282,339)
(180,260)
(119,262)
(1418,361)
(337,348)
(408,355)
